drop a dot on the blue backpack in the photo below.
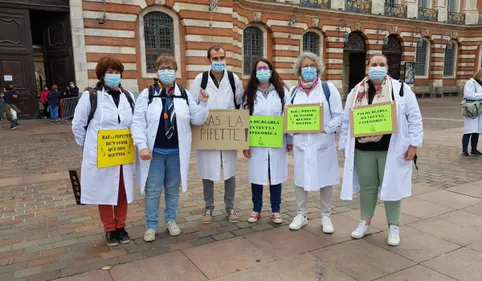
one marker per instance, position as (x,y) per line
(324,86)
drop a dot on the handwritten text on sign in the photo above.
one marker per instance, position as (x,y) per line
(266,131)
(374,120)
(223,130)
(114,148)
(304,118)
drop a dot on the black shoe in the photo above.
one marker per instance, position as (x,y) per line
(111,238)
(123,236)
(476,153)
(465,154)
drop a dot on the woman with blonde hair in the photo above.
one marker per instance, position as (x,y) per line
(472,126)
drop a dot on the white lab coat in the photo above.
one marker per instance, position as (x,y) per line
(146,122)
(101,186)
(316,161)
(473,91)
(209,162)
(397,180)
(278,157)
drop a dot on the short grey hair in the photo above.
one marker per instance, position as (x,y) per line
(320,66)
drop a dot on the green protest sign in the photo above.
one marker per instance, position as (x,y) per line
(266,131)
(306,118)
(379,119)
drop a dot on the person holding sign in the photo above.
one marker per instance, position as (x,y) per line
(266,96)
(381,159)
(225,92)
(101,124)
(162,133)
(316,161)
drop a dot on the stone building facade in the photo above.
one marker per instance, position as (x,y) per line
(442,37)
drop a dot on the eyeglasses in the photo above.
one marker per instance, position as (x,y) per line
(259,68)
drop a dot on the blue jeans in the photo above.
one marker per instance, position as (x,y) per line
(257,196)
(54,113)
(164,173)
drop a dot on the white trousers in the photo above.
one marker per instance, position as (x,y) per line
(326,194)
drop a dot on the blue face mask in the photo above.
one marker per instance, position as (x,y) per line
(263,76)
(377,73)
(167,76)
(218,66)
(112,80)
(309,73)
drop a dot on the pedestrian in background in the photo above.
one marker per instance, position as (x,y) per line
(316,160)
(381,162)
(12,111)
(472,126)
(266,95)
(53,99)
(45,101)
(161,129)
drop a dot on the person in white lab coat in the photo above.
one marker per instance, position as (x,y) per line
(225,92)
(316,161)
(266,96)
(111,186)
(162,133)
(472,127)
(383,161)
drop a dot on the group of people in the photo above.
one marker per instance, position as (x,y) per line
(160,122)
(50,100)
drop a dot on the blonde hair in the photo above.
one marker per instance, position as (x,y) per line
(166,60)
(478,74)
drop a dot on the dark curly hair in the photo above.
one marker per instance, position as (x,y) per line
(249,96)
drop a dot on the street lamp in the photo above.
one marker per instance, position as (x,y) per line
(342,25)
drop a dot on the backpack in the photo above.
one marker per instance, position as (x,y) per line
(204,83)
(93,102)
(324,86)
(152,94)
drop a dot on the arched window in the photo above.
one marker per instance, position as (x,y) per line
(252,47)
(311,42)
(158,37)
(421,58)
(449,60)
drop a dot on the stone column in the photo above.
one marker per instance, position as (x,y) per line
(442,11)
(378,7)
(471,12)
(338,4)
(78,43)
(412,9)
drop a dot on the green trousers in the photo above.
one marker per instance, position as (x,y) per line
(370,167)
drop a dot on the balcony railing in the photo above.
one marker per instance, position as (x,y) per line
(396,10)
(359,6)
(428,14)
(456,18)
(324,4)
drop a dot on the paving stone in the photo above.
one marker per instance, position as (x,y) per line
(57,265)
(223,236)
(27,272)
(131,257)
(156,251)
(74,270)
(463,264)
(46,276)
(202,241)
(207,232)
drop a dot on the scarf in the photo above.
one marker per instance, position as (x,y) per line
(383,94)
(168,110)
(307,87)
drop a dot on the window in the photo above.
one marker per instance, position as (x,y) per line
(158,36)
(252,47)
(421,58)
(390,3)
(423,4)
(311,42)
(449,60)
(452,6)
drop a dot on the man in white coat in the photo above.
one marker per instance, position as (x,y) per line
(225,92)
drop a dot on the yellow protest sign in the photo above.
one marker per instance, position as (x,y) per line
(266,131)
(378,119)
(304,118)
(114,148)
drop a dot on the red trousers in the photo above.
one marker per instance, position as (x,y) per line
(114,217)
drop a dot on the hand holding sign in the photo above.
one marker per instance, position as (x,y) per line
(203,96)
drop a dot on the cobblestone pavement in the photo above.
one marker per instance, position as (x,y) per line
(44,235)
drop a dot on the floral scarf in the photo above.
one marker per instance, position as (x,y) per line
(307,87)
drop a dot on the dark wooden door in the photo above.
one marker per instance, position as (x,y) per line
(394,61)
(58,54)
(16,58)
(357,69)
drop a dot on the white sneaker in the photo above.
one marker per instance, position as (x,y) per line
(327,225)
(150,235)
(361,230)
(394,236)
(298,222)
(173,228)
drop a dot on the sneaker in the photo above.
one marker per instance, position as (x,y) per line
(361,230)
(465,154)
(298,222)
(13,128)
(150,235)
(276,218)
(476,153)
(232,216)
(254,217)
(123,236)
(173,229)
(326,225)
(394,236)
(208,217)
(111,238)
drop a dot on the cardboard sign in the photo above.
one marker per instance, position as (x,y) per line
(378,119)
(266,131)
(75,180)
(305,118)
(223,130)
(114,148)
